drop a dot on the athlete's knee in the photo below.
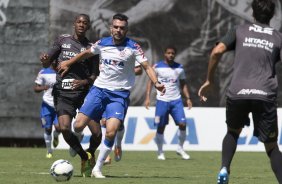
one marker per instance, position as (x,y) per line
(48,131)
(269,147)
(110,135)
(160,129)
(182,126)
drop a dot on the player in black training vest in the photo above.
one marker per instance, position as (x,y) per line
(69,91)
(253,88)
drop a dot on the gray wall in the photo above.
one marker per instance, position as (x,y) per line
(28,27)
(23,36)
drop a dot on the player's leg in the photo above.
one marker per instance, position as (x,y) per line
(56,131)
(47,124)
(161,120)
(266,129)
(118,140)
(95,140)
(103,130)
(236,115)
(275,157)
(160,142)
(178,115)
(112,125)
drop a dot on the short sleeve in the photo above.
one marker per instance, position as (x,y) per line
(95,48)
(39,79)
(229,39)
(139,54)
(182,74)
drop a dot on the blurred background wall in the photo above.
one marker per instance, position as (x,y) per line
(28,27)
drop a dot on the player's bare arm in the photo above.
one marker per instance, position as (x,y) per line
(65,65)
(152,75)
(148,94)
(186,93)
(213,61)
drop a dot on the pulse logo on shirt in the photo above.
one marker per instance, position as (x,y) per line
(113,62)
(260,29)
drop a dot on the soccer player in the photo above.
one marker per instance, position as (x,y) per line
(44,81)
(120,133)
(172,75)
(111,90)
(253,88)
(70,90)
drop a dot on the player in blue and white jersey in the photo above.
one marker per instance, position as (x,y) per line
(111,90)
(44,81)
(172,75)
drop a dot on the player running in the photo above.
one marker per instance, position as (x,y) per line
(70,90)
(111,90)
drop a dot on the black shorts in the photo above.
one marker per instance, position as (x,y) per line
(67,102)
(264,115)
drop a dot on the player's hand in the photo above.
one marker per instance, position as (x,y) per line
(189,103)
(204,90)
(44,59)
(63,68)
(160,87)
(147,103)
(78,83)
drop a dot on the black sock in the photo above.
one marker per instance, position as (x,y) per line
(275,157)
(74,143)
(95,141)
(229,145)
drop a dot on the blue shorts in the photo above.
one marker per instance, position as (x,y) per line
(110,104)
(48,116)
(175,108)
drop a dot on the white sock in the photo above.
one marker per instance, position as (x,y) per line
(103,130)
(160,141)
(48,139)
(104,152)
(119,137)
(181,138)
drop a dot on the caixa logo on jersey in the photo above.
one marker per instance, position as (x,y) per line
(113,62)
(168,80)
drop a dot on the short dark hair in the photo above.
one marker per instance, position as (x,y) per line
(121,17)
(171,47)
(263,10)
(82,15)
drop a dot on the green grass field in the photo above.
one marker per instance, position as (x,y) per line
(29,165)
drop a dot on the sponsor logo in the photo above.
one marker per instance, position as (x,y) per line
(82,49)
(113,62)
(66,46)
(251,92)
(258,43)
(259,29)
(68,53)
(168,80)
(67,83)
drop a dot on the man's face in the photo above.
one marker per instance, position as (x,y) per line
(118,30)
(169,54)
(81,25)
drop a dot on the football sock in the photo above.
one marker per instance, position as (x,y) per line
(94,144)
(48,140)
(105,150)
(275,157)
(103,131)
(119,137)
(229,145)
(181,138)
(160,141)
(73,142)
